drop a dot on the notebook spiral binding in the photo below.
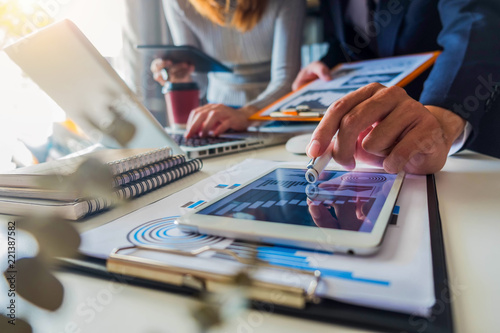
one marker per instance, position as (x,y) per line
(289,296)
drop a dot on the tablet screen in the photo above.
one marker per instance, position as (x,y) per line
(340,199)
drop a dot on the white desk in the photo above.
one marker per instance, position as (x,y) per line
(469,197)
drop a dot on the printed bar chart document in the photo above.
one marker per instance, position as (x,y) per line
(310,102)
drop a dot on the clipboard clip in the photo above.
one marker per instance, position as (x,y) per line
(302,111)
(149,269)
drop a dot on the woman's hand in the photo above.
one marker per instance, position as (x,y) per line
(217,119)
(176,73)
(311,72)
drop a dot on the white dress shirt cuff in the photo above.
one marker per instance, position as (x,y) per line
(460,141)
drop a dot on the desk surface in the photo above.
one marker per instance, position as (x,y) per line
(468,189)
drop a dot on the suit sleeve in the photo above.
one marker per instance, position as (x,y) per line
(467,73)
(334,55)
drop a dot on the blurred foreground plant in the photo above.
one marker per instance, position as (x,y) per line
(31,277)
(218,309)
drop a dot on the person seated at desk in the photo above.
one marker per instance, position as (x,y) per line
(259,39)
(416,129)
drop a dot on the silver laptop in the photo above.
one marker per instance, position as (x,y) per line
(65,64)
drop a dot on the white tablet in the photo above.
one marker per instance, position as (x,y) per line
(345,211)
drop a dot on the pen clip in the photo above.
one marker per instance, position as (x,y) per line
(310,165)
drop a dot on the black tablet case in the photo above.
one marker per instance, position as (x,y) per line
(202,62)
(331,311)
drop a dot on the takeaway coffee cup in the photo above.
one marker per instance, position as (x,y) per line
(181,99)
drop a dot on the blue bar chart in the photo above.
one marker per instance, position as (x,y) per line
(288,206)
(340,200)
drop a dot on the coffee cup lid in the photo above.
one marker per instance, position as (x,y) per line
(174,86)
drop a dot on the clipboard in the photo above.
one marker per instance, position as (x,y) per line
(202,62)
(209,282)
(298,302)
(309,93)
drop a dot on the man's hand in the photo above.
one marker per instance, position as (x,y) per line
(387,128)
(314,70)
(217,118)
(177,73)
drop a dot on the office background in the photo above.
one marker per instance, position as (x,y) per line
(35,129)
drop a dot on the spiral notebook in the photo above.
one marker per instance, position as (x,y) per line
(80,208)
(60,193)
(117,160)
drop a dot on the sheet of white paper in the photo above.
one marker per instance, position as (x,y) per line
(398,278)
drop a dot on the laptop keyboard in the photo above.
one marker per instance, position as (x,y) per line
(199,142)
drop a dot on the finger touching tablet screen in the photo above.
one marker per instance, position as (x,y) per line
(345,211)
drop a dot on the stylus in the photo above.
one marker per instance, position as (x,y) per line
(317,165)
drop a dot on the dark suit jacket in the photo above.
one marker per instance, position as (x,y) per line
(466,77)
